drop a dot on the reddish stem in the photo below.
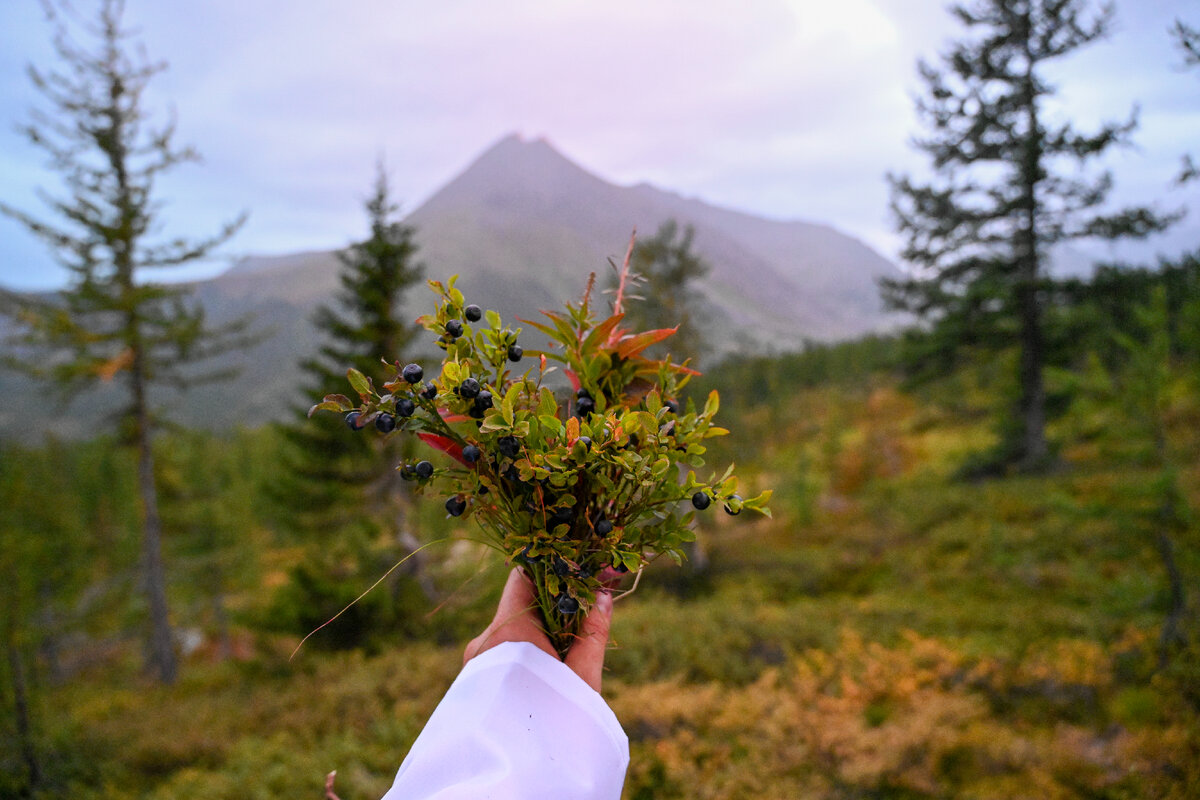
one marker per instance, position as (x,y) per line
(624,274)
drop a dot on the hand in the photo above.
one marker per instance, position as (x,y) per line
(517,620)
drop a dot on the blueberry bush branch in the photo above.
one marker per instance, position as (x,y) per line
(572,486)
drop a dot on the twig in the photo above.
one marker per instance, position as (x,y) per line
(330,794)
(624,274)
(636,580)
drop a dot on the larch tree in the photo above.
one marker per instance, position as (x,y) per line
(113,323)
(1009,182)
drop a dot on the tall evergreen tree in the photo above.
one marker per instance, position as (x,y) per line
(111,323)
(343,490)
(1008,185)
(1187,39)
(664,269)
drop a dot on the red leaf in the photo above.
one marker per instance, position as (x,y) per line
(446,416)
(632,345)
(573,378)
(601,332)
(445,444)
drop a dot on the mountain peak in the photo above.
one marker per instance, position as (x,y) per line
(515,166)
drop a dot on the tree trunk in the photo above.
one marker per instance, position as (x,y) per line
(221,616)
(1033,447)
(49,627)
(21,709)
(1032,409)
(417,566)
(160,649)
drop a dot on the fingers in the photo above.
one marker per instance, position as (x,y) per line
(586,656)
(517,598)
(517,620)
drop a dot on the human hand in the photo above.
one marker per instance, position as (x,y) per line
(517,620)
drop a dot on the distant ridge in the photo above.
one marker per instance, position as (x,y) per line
(523,226)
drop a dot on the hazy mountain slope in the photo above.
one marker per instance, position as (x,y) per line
(522,226)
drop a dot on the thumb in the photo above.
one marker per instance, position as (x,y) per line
(586,656)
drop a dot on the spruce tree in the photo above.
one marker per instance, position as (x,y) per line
(111,324)
(342,489)
(1008,183)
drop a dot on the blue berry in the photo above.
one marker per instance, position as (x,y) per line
(483,400)
(352,421)
(429,392)
(456,506)
(730,509)
(424,469)
(471,454)
(567,605)
(385,423)
(413,373)
(701,501)
(604,527)
(405,407)
(509,446)
(473,313)
(468,388)
(515,352)
(454,329)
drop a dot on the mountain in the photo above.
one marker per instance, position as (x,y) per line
(523,227)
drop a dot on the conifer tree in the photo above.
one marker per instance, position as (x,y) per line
(111,323)
(665,269)
(1008,184)
(343,490)
(1187,39)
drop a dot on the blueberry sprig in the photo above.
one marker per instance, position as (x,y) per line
(565,484)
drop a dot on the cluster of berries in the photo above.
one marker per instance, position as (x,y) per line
(572,488)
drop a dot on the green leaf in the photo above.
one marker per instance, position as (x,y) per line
(327,406)
(359,382)
(547,405)
(712,404)
(343,402)
(493,319)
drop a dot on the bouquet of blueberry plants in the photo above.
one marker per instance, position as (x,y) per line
(573,487)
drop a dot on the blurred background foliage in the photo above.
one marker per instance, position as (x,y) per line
(919,620)
(895,631)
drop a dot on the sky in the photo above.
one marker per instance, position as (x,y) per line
(789,109)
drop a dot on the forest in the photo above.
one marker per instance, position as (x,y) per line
(979,577)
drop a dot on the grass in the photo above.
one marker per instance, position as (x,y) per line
(891,634)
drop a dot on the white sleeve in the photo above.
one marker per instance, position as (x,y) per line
(517,724)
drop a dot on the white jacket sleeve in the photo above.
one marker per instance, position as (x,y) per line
(517,724)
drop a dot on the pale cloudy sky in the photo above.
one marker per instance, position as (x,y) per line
(785,108)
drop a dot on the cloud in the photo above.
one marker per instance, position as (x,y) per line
(788,108)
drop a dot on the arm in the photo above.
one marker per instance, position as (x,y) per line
(518,723)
